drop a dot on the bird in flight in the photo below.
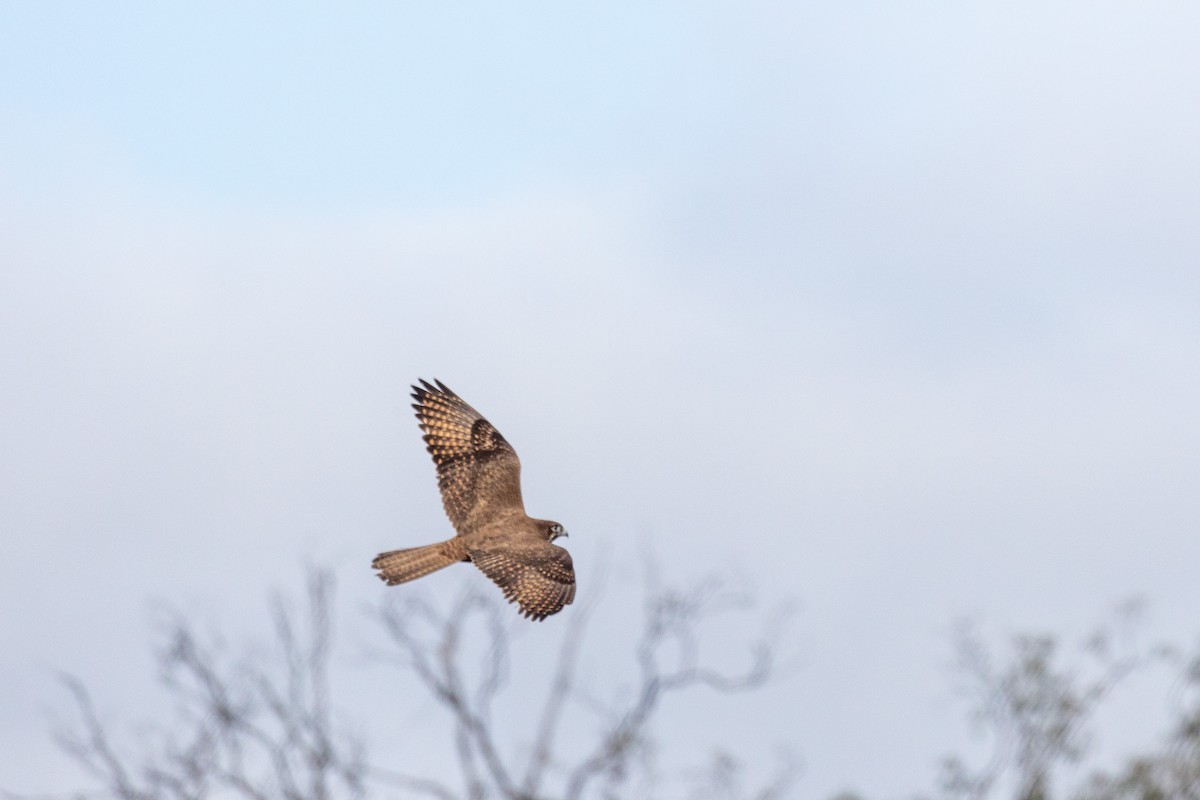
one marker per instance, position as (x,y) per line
(479,476)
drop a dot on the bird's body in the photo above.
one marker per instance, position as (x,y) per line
(479,476)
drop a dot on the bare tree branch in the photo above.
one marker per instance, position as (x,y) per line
(556,702)
(671,616)
(436,664)
(239,733)
(1037,709)
(264,729)
(423,786)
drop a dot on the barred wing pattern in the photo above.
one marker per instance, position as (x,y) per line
(479,476)
(479,473)
(539,578)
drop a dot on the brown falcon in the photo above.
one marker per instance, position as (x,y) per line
(480,479)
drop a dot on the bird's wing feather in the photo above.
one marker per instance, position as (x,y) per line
(478,471)
(539,576)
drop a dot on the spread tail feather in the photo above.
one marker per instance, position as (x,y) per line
(399,566)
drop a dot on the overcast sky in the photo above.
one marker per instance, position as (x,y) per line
(889,308)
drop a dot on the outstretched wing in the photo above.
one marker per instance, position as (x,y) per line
(479,473)
(538,577)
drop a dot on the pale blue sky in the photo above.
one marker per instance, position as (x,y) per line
(377,102)
(903,294)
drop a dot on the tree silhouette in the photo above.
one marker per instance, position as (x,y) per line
(266,729)
(1036,704)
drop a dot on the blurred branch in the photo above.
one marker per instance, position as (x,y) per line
(429,644)
(556,703)
(264,729)
(1037,709)
(237,735)
(1174,772)
(670,616)
(436,663)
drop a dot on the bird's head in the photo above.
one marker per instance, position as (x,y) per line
(554,530)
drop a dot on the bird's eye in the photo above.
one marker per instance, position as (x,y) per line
(556,528)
